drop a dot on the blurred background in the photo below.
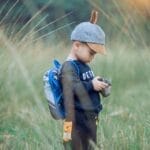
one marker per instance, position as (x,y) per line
(34,32)
(127,21)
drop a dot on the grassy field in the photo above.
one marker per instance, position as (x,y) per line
(25,122)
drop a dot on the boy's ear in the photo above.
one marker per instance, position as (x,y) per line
(76,44)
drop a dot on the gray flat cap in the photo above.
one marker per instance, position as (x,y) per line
(91,34)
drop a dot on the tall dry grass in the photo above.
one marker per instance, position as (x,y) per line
(25,122)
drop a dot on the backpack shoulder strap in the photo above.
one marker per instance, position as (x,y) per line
(75,65)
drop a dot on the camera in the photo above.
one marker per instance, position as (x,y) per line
(105,80)
(106,91)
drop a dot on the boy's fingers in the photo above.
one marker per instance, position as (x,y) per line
(103,85)
(97,77)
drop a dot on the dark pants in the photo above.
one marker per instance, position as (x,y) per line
(84,131)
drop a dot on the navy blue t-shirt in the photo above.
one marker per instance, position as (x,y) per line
(78,92)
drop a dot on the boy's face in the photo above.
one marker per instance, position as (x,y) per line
(83,52)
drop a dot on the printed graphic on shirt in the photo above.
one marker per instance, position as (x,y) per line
(87,75)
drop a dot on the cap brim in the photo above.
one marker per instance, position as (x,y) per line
(97,48)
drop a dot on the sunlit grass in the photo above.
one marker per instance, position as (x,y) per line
(24,111)
(25,122)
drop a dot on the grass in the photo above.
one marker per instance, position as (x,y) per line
(25,122)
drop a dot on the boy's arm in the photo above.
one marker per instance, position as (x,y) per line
(72,85)
(68,95)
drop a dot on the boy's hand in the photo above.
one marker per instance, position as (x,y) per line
(67,131)
(98,85)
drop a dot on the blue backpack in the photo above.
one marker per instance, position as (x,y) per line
(53,90)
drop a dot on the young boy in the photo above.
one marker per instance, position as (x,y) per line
(80,88)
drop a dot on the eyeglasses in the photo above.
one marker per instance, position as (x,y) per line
(90,50)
